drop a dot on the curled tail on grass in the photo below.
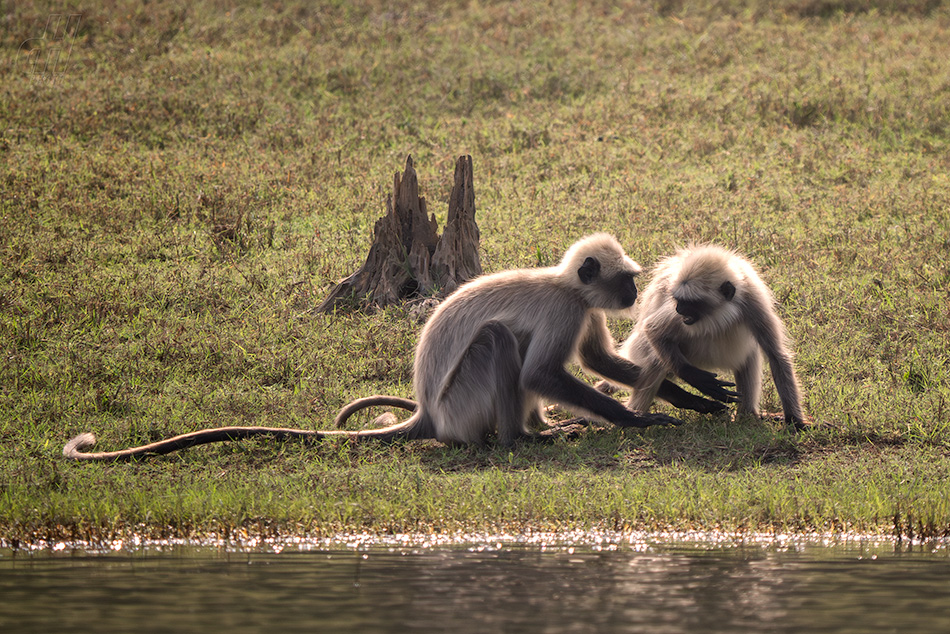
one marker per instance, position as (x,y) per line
(74,448)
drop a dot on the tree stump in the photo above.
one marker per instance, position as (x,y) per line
(408,258)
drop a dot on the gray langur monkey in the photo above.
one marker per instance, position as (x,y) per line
(488,355)
(706,307)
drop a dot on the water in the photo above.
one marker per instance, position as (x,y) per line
(646,585)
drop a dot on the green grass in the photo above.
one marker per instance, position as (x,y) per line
(177,200)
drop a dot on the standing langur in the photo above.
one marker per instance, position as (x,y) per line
(489,354)
(706,307)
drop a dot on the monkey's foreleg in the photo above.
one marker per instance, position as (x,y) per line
(556,384)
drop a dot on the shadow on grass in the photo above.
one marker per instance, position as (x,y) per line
(708,443)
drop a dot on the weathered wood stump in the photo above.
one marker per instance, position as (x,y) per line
(408,258)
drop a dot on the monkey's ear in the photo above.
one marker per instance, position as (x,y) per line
(589,270)
(728,290)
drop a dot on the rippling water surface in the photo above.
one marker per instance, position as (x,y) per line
(648,585)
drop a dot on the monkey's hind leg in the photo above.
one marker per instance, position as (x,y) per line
(643,394)
(749,384)
(484,391)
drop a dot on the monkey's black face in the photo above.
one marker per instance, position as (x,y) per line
(691,311)
(625,289)
(619,288)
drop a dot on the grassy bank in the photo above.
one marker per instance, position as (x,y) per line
(189,182)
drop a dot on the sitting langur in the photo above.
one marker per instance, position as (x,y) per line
(706,307)
(487,356)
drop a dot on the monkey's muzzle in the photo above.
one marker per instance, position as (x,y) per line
(690,311)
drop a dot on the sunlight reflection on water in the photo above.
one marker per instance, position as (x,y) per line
(546,582)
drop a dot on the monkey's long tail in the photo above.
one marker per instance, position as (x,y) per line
(73,449)
(370,401)
(222,434)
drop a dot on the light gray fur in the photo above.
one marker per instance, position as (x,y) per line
(732,334)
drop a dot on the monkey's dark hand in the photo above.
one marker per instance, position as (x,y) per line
(791,420)
(796,422)
(707,406)
(678,397)
(647,420)
(709,384)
